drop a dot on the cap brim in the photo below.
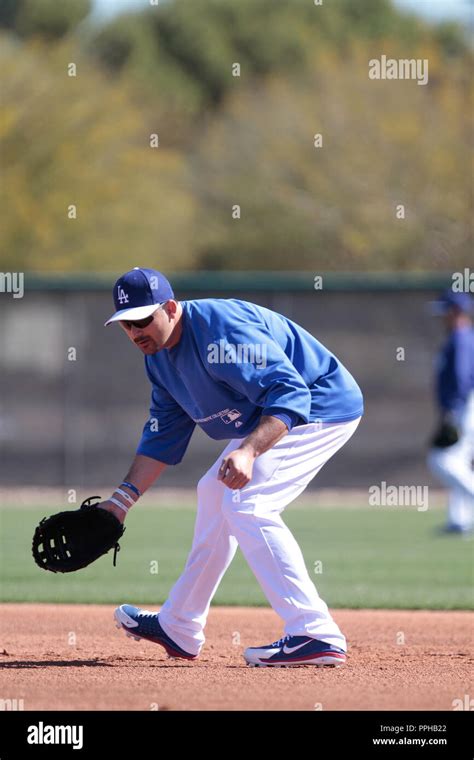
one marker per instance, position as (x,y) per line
(139,312)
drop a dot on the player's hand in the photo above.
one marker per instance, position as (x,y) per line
(109,506)
(236,468)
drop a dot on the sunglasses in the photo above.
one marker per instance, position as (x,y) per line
(129,323)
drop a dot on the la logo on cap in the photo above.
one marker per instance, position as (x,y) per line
(122,297)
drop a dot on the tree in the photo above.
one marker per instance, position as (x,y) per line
(335,206)
(48,19)
(82,189)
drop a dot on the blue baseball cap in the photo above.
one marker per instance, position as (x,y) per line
(450,298)
(138,293)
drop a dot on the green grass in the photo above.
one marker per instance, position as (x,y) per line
(378,558)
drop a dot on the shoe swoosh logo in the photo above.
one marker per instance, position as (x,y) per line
(289,650)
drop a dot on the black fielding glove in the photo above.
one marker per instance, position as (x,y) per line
(447,434)
(71,540)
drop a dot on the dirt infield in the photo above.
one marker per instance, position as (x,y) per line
(73,658)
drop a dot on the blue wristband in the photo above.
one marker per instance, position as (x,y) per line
(132,487)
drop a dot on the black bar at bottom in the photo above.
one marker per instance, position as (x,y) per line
(135,735)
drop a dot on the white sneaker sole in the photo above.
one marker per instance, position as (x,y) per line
(319,662)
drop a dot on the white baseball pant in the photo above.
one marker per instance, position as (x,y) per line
(250,518)
(453,466)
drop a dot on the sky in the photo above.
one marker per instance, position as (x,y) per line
(460,10)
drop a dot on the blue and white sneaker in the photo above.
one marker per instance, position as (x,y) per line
(450,528)
(295,650)
(143,624)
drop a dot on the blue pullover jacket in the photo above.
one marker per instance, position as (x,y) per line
(236,361)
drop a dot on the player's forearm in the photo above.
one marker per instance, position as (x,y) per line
(268,432)
(143,472)
(141,475)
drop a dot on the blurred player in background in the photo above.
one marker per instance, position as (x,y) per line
(452,448)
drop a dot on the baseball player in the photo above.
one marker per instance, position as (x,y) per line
(452,451)
(245,373)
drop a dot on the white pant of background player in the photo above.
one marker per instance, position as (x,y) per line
(453,466)
(250,518)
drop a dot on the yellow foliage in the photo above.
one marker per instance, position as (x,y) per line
(83,141)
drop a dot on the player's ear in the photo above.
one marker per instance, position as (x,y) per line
(171,307)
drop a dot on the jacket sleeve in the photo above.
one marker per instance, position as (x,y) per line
(462,361)
(454,380)
(168,430)
(257,367)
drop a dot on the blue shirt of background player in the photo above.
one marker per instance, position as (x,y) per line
(455,369)
(299,381)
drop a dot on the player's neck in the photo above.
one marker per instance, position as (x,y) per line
(177,331)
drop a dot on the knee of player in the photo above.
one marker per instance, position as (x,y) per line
(206,485)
